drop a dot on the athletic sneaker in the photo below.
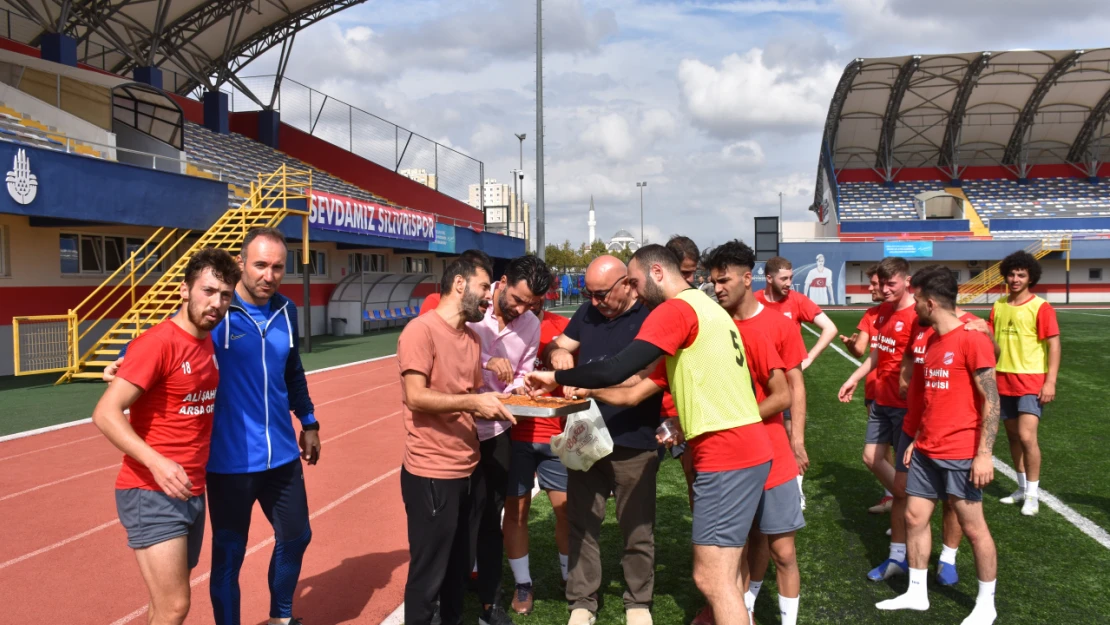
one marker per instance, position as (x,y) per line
(946,574)
(1031,507)
(523,599)
(638,616)
(1017,496)
(704,617)
(495,616)
(883,506)
(888,569)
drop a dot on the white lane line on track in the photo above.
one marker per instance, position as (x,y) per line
(66,541)
(35,451)
(62,426)
(1081,522)
(56,482)
(269,541)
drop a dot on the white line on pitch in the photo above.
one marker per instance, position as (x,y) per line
(1081,522)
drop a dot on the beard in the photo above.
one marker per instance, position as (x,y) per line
(472,308)
(199,316)
(652,294)
(924,322)
(507,314)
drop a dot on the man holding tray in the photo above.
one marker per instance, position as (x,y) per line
(509,337)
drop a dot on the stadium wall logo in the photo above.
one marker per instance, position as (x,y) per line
(23,186)
(335,212)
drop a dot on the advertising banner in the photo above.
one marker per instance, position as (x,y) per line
(335,212)
(444,241)
(908,249)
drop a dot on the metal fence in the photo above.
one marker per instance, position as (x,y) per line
(398,149)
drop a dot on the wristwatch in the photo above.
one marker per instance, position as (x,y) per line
(311,427)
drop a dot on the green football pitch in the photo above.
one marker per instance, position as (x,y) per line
(1049,570)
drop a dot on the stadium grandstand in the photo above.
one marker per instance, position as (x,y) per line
(961,159)
(130,138)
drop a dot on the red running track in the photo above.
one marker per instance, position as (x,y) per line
(64,557)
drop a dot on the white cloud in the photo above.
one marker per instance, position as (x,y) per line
(743,153)
(611,134)
(744,94)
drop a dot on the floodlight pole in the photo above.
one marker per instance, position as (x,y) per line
(541,246)
(641,185)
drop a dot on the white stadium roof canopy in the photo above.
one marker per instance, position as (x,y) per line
(205,41)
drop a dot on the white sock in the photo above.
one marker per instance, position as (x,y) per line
(789,609)
(887,493)
(948,555)
(1021,481)
(520,570)
(986,592)
(753,587)
(916,596)
(898,552)
(564,563)
(1032,488)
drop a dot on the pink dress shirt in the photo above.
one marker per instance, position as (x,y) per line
(518,343)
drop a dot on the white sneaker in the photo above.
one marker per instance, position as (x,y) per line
(581,616)
(1031,506)
(1017,496)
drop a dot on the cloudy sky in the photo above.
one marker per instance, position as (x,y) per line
(717,104)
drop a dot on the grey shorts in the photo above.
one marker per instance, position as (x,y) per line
(904,441)
(725,503)
(780,510)
(1013,405)
(940,479)
(883,424)
(531,459)
(151,517)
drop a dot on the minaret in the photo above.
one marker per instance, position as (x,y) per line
(592,223)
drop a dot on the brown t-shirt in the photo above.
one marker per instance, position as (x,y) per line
(440,446)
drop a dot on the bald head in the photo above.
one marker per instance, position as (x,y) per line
(608,287)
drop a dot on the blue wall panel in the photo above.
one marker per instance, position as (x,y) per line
(905,225)
(88,189)
(1053,223)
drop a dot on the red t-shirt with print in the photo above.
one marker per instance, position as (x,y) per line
(867,324)
(893,329)
(763,359)
(795,306)
(915,395)
(950,422)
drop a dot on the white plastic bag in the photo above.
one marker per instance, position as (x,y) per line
(584,441)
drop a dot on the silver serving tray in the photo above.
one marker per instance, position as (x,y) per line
(535,411)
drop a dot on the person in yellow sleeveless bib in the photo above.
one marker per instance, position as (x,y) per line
(1028,340)
(708,375)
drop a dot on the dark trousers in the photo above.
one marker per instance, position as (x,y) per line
(630,474)
(281,494)
(438,514)
(491,481)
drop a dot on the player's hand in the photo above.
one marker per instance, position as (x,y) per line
(310,446)
(519,390)
(806,363)
(111,370)
(540,382)
(801,456)
(573,392)
(978,325)
(903,387)
(847,390)
(1048,393)
(171,478)
(849,340)
(906,457)
(561,360)
(488,406)
(982,470)
(501,368)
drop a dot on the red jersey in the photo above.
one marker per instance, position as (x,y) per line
(893,329)
(763,358)
(950,422)
(672,326)
(541,429)
(179,375)
(430,303)
(867,324)
(1018,384)
(795,306)
(915,395)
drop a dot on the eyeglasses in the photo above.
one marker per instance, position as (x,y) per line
(601,296)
